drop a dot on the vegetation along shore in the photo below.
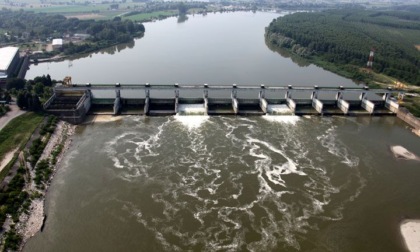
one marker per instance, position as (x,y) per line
(341,40)
(26,178)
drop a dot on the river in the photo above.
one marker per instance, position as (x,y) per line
(197,183)
(216,49)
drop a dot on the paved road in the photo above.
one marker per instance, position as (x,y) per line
(14,112)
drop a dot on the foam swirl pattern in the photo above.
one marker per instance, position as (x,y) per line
(234,183)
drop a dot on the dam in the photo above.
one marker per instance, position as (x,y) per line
(73,103)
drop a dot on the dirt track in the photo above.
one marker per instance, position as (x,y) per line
(14,112)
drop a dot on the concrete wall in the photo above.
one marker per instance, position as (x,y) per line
(23,68)
(75,116)
(392,105)
(291,104)
(318,105)
(368,105)
(343,105)
(13,66)
(409,118)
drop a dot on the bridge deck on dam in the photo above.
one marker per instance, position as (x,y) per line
(74,103)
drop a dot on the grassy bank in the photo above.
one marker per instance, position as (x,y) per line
(16,133)
(144,17)
(21,201)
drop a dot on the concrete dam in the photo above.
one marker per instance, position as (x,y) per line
(73,103)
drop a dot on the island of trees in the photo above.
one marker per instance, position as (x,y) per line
(340,41)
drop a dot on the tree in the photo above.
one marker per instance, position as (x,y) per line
(36,103)
(21,100)
(7,97)
(15,83)
(114,6)
(182,8)
(49,81)
(39,88)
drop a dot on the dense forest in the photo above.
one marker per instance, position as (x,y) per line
(345,38)
(24,26)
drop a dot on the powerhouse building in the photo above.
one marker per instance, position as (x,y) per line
(9,61)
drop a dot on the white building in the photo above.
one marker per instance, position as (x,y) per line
(57,44)
(9,60)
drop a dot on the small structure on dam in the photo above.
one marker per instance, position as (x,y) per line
(74,103)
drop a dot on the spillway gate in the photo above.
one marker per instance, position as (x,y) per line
(74,103)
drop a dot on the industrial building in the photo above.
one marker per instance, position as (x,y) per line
(57,44)
(9,61)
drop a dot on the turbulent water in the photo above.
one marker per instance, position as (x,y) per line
(196,183)
(200,183)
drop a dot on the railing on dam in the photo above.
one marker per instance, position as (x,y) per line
(157,99)
(331,89)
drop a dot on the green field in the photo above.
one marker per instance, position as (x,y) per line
(102,11)
(78,8)
(152,15)
(17,132)
(70,9)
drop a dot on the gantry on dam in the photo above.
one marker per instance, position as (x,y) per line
(73,103)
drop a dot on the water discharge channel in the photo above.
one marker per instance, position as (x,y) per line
(198,183)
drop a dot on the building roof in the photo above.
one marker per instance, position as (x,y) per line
(57,41)
(6,56)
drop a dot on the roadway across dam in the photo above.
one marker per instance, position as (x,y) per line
(73,103)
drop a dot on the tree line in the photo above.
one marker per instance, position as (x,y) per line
(32,93)
(25,26)
(345,37)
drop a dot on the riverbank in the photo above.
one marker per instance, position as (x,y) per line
(77,55)
(31,221)
(365,76)
(356,73)
(15,135)
(410,230)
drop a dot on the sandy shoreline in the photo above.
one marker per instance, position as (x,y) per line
(31,223)
(410,230)
(101,119)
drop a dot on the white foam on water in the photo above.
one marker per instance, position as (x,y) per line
(279,109)
(137,145)
(135,118)
(192,121)
(329,140)
(246,119)
(214,190)
(192,109)
(286,119)
(289,167)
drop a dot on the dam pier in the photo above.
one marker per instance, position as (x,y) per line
(73,103)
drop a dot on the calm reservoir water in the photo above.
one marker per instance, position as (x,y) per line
(196,183)
(215,49)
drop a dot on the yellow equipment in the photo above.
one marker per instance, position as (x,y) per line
(399,85)
(67,81)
